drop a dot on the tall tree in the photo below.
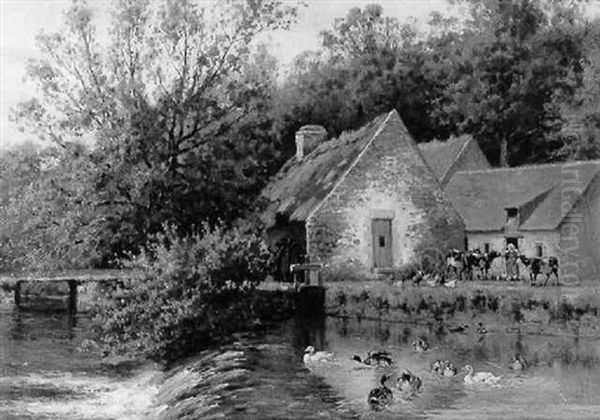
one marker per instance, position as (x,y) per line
(581,131)
(519,60)
(174,105)
(368,63)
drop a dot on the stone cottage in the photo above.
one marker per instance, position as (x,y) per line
(545,210)
(367,199)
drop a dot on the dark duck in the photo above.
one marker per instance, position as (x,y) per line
(518,363)
(458,328)
(408,383)
(381,396)
(375,358)
(420,345)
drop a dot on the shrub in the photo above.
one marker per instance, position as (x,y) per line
(184,293)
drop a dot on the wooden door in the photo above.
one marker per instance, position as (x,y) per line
(382,243)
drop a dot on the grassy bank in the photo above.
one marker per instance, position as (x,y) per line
(512,306)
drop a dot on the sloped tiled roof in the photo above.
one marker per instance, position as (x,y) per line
(440,155)
(539,191)
(301,185)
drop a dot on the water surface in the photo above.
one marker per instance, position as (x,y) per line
(261,375)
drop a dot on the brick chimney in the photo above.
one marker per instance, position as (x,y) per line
(307,138)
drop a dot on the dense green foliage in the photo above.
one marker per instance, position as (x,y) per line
(186,292)
(52,220)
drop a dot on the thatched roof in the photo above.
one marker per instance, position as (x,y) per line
(301,185)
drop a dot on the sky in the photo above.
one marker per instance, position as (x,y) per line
(21,20)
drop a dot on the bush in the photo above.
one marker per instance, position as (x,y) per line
(185,292)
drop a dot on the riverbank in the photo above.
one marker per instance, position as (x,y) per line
(535,310)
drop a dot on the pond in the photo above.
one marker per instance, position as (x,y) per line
(261,375)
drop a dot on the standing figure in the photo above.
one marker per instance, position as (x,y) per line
(512,268)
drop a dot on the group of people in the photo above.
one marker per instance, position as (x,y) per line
(463,263)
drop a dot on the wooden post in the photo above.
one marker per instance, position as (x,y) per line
(18,295)
(72,296)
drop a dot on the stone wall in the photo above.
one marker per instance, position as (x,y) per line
(390,180)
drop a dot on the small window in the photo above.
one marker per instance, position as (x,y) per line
(382,241)
(539,250)
(486,247)
(512,212)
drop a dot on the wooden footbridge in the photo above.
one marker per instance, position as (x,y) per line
(73,279)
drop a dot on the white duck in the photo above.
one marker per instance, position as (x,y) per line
(311,355)
(483,378)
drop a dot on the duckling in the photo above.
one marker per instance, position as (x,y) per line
(483,378)
(381,396)
(312,356)
(481,329)
(420,345)
(375,358)
(518,363)
(408,383)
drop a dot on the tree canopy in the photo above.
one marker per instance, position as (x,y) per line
(174,111)
(501,74)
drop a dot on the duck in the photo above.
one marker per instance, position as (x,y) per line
(381,396)
(482,378)
(451,284)
(444,368)
(449,369)
(375,358)
(408,383)
(518,363)
(311,355)
(481,329)
(437,366)
(420,345)
(458,329)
